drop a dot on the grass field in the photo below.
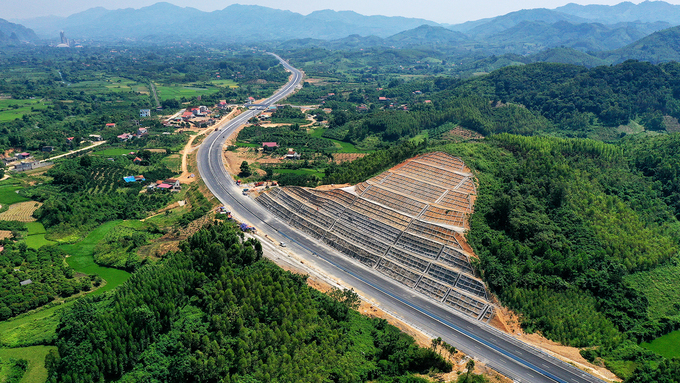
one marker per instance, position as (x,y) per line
(168,92)
(344,147)
(661,287)
(31,328)
(35,238)
(8,195)
(667,345)
(225,83)
(35,355)
(173,162)
(113,84)
(13,109)
(82,260)
(301,171)
(299,121)
(112,152)
(35,228)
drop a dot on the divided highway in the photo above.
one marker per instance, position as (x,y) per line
(498,350)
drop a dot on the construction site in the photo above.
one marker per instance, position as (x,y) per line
(407,223)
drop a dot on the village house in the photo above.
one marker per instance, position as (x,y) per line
(95,137)
(111,125)
(269,146)
(292,155)
(144,113)
(30,165)
(125,136)
(47,149)
(23,156)
(142,132)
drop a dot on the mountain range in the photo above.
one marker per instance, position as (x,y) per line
(236,23)
(13,34)
(590,33)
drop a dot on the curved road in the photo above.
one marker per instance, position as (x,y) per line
(497,350)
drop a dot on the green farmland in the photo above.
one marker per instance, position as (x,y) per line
(13,109)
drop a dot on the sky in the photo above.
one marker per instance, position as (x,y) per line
(441,11)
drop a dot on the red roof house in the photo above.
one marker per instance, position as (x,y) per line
(111,125)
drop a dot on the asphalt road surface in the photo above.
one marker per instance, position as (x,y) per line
(497,350)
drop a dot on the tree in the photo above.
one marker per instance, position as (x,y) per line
(86,161)
(470,365)
(245,169)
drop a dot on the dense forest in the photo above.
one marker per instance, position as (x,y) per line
(216,311)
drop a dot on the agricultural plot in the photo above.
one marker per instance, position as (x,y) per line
(12,109)
(35,237)
(225,83)
(111,152)
(166,92)
(82,258)
(21,211)
(106,179)
(113,84)
(9,195)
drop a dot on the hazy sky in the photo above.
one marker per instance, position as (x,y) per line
(443,11)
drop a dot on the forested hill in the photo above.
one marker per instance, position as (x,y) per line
(11,33)
(585,102)
(569,233)
(217,312)
(662,46)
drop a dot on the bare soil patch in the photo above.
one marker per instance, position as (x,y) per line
(347,157)
(458,133)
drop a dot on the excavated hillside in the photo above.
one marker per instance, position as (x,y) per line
(407,223)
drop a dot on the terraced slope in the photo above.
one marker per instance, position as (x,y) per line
(406,223)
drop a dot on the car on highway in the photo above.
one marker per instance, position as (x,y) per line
(283,244)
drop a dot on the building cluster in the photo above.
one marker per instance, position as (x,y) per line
(23,161)
(141,132)
(170,184)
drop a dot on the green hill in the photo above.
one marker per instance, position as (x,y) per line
(662,46)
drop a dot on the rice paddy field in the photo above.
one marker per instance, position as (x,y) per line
(113,84)
(12,109)
(81,258)
(111,152)
(9,195)
(35,238)
(167,92)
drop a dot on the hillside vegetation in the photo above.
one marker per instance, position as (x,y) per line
(217,312)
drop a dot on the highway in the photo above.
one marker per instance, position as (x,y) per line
(503,353)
